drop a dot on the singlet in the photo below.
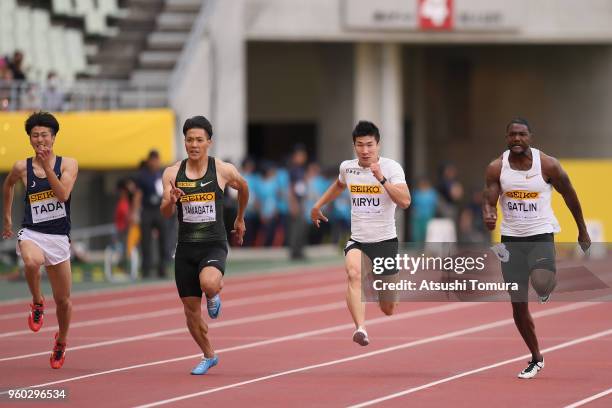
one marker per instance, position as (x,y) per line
(200,210)
(43,211)
(372,210)
(525,200)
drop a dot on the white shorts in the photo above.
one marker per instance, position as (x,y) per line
(56,248)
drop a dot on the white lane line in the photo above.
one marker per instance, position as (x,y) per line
(295,294)
(481,369)
(589,399)
(130,300)
(348,326)
(427,340)
(226,323)
(246,279)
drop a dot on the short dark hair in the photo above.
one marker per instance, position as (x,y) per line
(365,128)
(519,121)
(44,119)
(198,122)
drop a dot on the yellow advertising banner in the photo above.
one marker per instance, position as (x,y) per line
(98,140)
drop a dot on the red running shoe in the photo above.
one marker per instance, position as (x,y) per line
(37,315)
(58,355)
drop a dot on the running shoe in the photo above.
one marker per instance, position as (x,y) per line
(532,369)
(544,299)
(58,355)
(360,336)
(204,365)
(36,316)
(214,306)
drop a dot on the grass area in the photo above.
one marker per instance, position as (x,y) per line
(19,289)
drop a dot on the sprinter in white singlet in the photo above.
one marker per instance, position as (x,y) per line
(521,180)
(377,185)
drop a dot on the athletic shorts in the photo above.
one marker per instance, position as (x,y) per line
(189,260)
(524,254)
(382,250)
(55,248)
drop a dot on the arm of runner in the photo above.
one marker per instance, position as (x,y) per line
(70,168)
(561,182)
(395,185)
(316,215)
(171,193)
(491,194)
(237,182)
(8,189)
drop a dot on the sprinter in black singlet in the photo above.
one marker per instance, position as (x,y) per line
(44,238)
(194,188)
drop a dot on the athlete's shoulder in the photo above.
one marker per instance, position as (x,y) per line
(20,166)
(69,162)
(550,165)
(172,170)
(385,161)
(348,163)
(223,166)
(495,166)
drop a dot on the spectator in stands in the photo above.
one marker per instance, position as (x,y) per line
(124,217)
(316,185)
(424,204)
(451,192)
(284,184)
(150,189)
(297,228)
(53,97)
(6,79)
(16,66)
(251,216)
(268,192)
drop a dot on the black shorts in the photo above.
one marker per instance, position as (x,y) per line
(189,260)
(524,255)
(381,250)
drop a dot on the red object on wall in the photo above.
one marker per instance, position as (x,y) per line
(435,14)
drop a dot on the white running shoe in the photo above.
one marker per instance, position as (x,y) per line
(361,337)
(532,369)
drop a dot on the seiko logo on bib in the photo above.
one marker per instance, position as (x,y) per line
(45,207)
(199,207)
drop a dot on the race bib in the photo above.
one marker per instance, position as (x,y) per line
(45,207)
(199,207)
(366,198)
(520,204)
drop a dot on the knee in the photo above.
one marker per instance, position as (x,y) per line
(211,286)
(354,275)
(31,263)
(63,302)
(192,315)
(543,283)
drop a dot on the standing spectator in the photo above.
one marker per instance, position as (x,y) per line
(282,199)
(53,96)
(251,216)
(6,79)
(424,204)
(315,188)
(124,217)
(150,189)
(297,228)
(16,66)
(268,191)
(451,192)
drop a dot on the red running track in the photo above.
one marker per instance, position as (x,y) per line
(285,339)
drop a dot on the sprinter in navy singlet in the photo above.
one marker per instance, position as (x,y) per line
(44,238)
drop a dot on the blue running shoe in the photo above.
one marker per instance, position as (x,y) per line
(204,365)
(214,306)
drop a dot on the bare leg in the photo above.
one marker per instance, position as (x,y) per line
(353,293)
(33,259)
(196,324)
(60,278)
(524,324)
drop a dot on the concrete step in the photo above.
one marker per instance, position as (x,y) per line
(192,6)
(151,77)
(172,21)
(148,98)
(167,40)
(158,59)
